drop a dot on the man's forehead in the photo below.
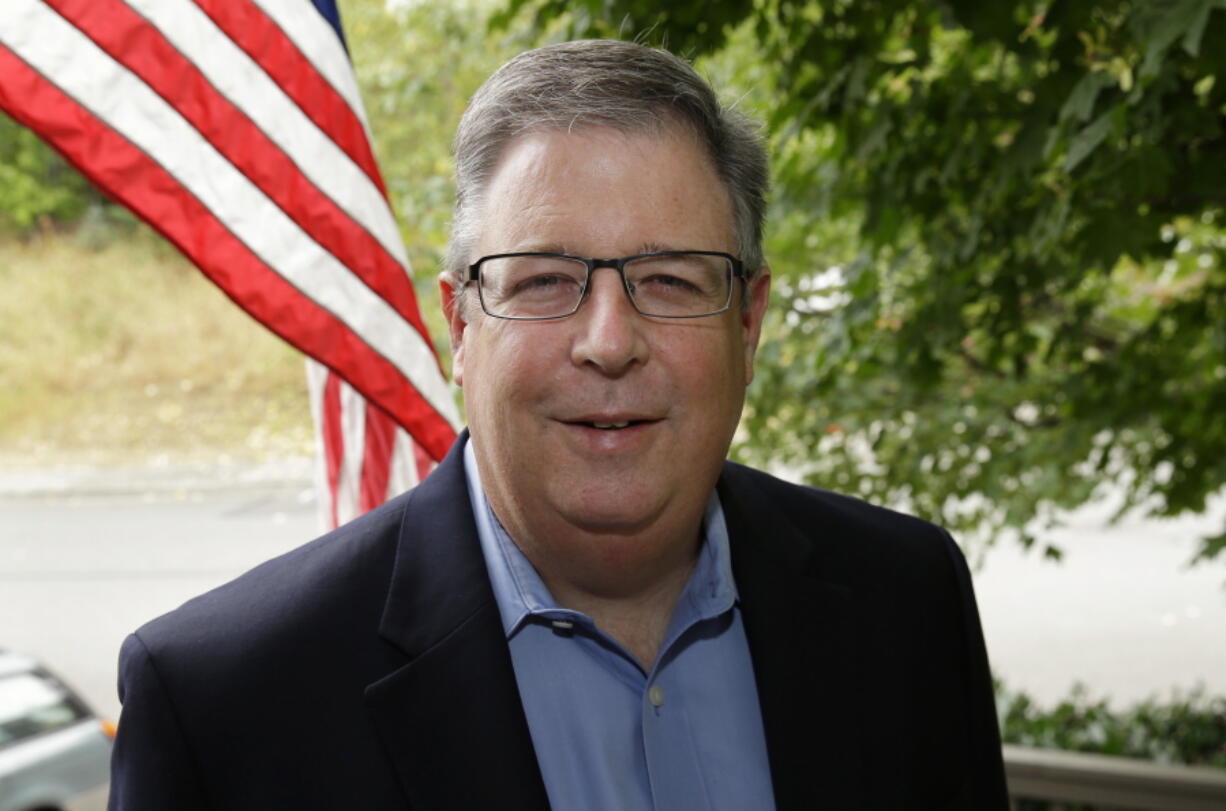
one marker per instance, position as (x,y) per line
(540,148)
(546,179)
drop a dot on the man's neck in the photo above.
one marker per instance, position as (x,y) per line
(627,578)
(637,621)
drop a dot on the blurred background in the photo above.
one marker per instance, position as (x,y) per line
(997,240)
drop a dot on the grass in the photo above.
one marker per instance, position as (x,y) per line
(124,352)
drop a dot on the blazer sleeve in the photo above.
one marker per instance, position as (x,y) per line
(986,788)
(152,766)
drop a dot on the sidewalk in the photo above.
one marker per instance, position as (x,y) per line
(159,478)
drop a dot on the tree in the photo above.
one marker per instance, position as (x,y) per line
(36,184)
(996,240)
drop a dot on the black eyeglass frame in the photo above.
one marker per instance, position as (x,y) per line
(736,270)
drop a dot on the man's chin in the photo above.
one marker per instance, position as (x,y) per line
(615,516)
(609,522)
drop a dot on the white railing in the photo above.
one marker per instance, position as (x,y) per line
(1112,782)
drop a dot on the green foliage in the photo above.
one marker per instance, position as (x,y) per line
(1188,729)
(36,184)
(996,240)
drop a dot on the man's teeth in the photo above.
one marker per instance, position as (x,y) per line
(610,424)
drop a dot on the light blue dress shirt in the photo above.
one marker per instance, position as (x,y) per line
(609,737)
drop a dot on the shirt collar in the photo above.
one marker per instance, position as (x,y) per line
(520,592)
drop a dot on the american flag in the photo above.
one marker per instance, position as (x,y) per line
(235,129)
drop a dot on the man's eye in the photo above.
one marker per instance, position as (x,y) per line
(542,283)
(674,284)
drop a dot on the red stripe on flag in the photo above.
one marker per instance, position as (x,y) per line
(264,41)
(132,41)
(423,461)
(128,174)
(379,437)
(333,440)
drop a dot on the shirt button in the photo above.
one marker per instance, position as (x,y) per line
(656,695)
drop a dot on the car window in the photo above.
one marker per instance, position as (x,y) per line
(32,703)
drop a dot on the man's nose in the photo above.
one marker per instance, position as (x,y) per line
(610,331)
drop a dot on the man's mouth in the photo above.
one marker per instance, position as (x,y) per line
(610,425)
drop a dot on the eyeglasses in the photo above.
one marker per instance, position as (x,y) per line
(663,284)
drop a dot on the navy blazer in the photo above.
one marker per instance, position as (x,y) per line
(368,670)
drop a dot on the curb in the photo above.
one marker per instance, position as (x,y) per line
(282,475)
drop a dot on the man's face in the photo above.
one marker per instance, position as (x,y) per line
(535,391)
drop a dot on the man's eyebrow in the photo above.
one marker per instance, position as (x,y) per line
(539,247)
(654,247)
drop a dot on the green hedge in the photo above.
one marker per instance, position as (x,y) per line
(1187,728)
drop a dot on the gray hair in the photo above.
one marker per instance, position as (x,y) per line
(605,83)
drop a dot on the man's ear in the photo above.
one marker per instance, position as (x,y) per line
(455,326)
(757,292)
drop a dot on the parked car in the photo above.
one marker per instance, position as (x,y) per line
(54,752)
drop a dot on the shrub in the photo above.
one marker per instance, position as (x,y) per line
(1189,728)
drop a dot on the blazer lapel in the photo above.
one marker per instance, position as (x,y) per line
(802,638)
(451,719)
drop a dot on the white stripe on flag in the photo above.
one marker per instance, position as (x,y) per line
(317,377)
(59,51)
(317,40)
(345,501)
(349,477)
(403,473)
(237,77)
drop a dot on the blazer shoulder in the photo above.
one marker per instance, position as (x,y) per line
(846,538)
(804,502)
(336,580)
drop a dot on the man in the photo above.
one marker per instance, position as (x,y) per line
(585,606)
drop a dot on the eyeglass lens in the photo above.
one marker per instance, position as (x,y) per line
(671,285)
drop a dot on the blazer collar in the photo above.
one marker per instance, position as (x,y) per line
(801,632)
(451,719)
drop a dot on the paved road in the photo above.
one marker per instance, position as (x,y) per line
(78,572)
(1122,613)
(81,567)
